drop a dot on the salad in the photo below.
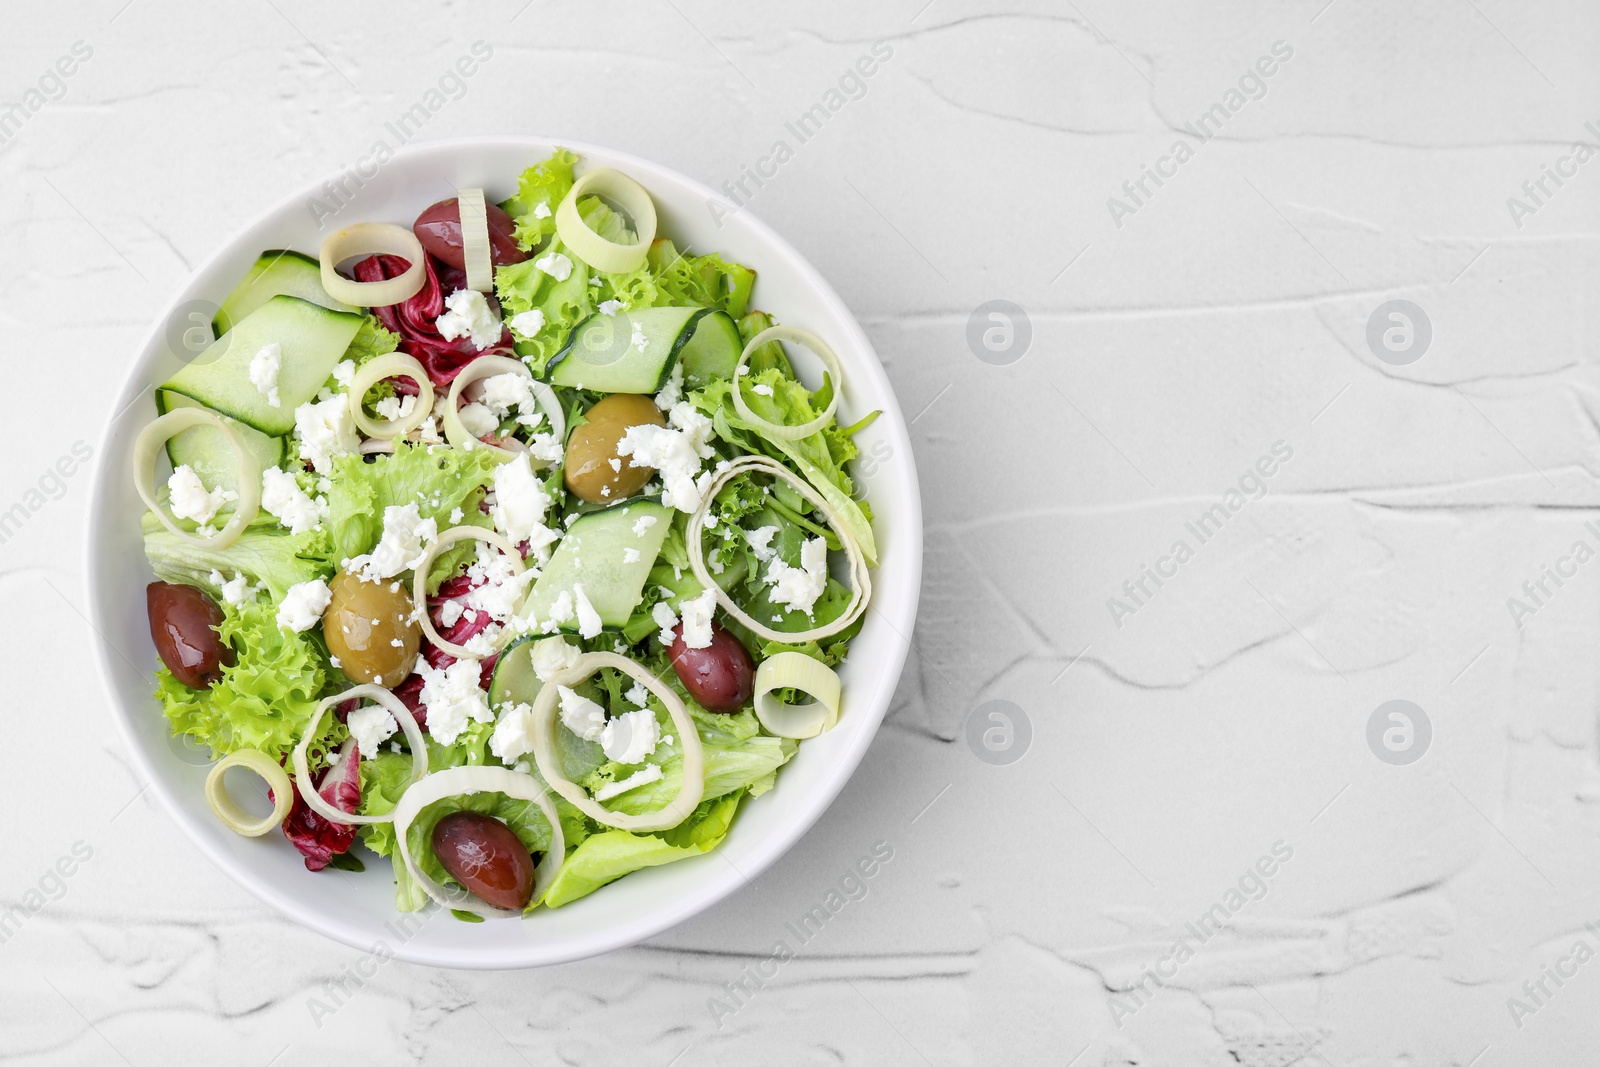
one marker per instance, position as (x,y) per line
(508,543)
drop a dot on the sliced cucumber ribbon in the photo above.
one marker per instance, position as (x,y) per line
(800,337)
(247,468)
(464,781)
(475,252)
(390,365)
(225,808)
(860,582)
(301,758)
(601,254)
(369,239)
(419,581)
(546,722)
(456,432)
(796,670)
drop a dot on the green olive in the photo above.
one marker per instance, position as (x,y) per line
(369,628)
(592,460)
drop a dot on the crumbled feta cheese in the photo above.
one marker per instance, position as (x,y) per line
(513,734)
(344,371)
(579,714)
(452,697)
(560,612)
(478,420)
(502,588)
(798,587)
(760,541)
(468,315)
(663,615)
(264,368)
(676,453)
(643,523)
(542,210)
(616,464)
(326,432)
(610,307)
(371,726)
(190,499)
(556,265)
(672,392)
(552,656)
(282,497)
(303,605)
(395,408)
(589,624)
(236,590)
(761,387)
(638,340)
(455,515)
(527,323)
(697,619)
(650,772)
(546,448)
(503,394)
(450,613)
(481,645)
(630,555)
(520,506)
(405,535)
(631,736)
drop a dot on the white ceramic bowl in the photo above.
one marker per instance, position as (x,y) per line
(359,909)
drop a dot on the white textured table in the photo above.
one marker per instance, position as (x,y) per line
(1207,853)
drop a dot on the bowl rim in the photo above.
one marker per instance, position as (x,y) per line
(719,885)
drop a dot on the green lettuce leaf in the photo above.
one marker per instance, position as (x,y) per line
(607,856)
(820,458)
(543,183)
(437,480)
(264,700)
(266,552)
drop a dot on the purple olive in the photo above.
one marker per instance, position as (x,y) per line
(183,625)
(721,676)
(487,859)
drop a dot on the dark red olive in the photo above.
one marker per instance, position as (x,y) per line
(487,859)
(439,230)
(183,622)
(721,676)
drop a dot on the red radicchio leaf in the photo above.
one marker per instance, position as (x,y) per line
(318,839)
(413,319)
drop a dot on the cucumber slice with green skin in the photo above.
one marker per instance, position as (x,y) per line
(712,351)
(207,452)
(313,339)
(604,353)
(279,272)
(513,680)
(591,553)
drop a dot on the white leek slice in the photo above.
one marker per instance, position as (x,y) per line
(462,781)
(373,371)
(302,767)
(546,722)
(369,239)
(860,583)
(248,470)
(475,252)
(224,807)
(583,242)
(823,352)
(488,367)
(796,670)
(419,587)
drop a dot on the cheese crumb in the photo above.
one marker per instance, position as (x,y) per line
(556,265)
(265,366)
(371,726)
(697,619)
(581,715)
(799,587)
(303,605)
(282,498)
(190,499)
(468,314)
